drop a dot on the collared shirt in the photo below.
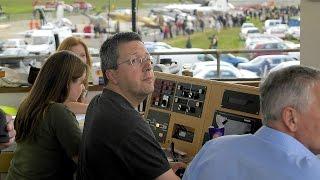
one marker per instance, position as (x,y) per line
(117,143)
(268,154)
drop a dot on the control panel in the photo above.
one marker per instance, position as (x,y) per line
(189,99)
(182,98)
(159,123)
(183,133)
(163,94)
(181,109)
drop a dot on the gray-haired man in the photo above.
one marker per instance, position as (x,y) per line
(284,148)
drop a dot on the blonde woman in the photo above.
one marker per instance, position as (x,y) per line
(77,46)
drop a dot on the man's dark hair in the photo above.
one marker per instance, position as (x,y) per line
(109,52)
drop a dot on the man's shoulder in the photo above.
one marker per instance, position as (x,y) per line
(229,144)
(232,139)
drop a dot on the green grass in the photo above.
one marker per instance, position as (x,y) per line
(257,23)
(227,39)
(16,6)
(25,6)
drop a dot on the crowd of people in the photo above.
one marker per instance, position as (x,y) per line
(197,22)
(116,143)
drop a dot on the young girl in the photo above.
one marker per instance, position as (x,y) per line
(78,47)
(48,134)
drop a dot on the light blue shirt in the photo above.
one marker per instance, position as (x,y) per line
(267,155)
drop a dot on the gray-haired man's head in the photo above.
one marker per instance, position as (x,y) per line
(287,87)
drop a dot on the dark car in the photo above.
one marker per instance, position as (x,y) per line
(234,60)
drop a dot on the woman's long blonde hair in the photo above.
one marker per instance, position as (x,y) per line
(70,42)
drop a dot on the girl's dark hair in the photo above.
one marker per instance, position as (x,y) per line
(52,85)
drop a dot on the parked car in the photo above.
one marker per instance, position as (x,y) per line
(234,60)
(284,65)
(270,46)
(211,73)
(152,46)
(43,42)
(82,5)
(252,40)
(292,45)
(246,25)
(261,65)
(182,59)
(279,30)
(226,72)
(294,28)
(271,23)
(197,67)
(293,32)
(248,32)
(206,57)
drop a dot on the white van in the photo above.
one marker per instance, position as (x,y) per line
(63,32)
(271,23)
(42,42)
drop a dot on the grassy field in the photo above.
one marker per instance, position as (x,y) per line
(227,39)
(25,6)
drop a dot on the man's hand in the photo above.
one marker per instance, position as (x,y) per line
(177,165)
(11,132)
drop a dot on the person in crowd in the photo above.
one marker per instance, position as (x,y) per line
(284,148)
(117,143)
(48,134)
(213,42)
(189,44)
(7,125)
(77,46)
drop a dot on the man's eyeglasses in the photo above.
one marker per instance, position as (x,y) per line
(137,61)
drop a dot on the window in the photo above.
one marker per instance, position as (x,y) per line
(282,46)
(276,61)
(210,75)
(227,74)
(38,40)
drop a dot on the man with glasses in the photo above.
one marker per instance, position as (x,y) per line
(117,143)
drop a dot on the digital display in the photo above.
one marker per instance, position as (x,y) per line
(182,134)
(235,124)
(237,101)
(236,127)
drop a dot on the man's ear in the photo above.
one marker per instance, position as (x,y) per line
(112,76)
(290,117)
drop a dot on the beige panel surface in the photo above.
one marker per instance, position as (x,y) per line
(212,102)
